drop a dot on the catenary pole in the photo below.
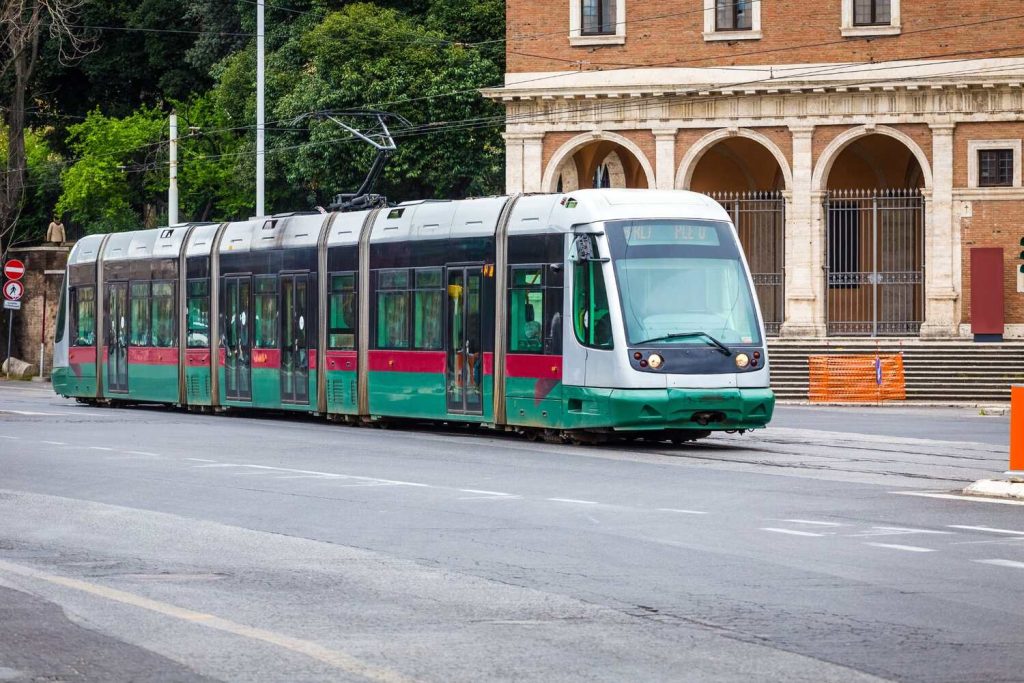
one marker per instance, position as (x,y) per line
(259,108)
(172,188)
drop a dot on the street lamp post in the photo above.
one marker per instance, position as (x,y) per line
(259,109)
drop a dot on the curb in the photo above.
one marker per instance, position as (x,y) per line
(991,488)
(986,408)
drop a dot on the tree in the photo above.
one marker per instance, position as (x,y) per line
(22,26)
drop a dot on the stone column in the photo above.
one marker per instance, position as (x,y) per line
(940,291)
(533,160)
(665,153)
(513,162)
(804,291)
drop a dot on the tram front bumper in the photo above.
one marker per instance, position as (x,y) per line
(658,409)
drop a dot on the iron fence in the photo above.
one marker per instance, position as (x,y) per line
(874,262)
(760,219)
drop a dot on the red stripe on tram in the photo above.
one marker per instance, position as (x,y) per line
(149,355)
(533,366)
(407,361)
(82,354)
(342,360)
(197,358)
(266,358)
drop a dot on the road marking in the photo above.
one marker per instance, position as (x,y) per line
(12,438)
(908,548)
(54,443)
(896,531)
(954,496)
(333,475)
(1002,563)
(30,413)
(100,448)
(200,460)
(145,453)
(334,658)
(812,521)
(486,493)
(574,500)
(682,512)
(791,532)
(991,530)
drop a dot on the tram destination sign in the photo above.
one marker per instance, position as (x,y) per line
(668,233)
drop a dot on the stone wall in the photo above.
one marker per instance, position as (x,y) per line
(43,277)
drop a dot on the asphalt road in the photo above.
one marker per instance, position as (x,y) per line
(146,544)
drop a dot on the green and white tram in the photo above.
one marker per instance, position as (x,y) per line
(579,316)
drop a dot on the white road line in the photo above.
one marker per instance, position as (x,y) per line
(100,448)
(1002,563)
(791,532)
(896,531)
(682,512)
(12,438)
(574,500)
(954,496)
(54,443)
(991,530)
(200,460)
(29,413)
(486,493)
(908,548)
(812,522)
(334,475)
(335,658)
(145,453)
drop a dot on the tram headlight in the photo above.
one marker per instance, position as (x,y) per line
(742,360)
(655,361)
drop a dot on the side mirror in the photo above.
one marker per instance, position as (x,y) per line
(582,249)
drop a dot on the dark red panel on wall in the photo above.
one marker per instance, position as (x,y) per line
(987,290)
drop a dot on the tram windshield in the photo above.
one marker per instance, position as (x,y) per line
(680,281)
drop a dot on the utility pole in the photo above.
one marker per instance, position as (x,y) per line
(172,189)
(260,123)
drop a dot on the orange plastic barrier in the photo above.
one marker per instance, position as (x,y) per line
(856,379)
(1017,429)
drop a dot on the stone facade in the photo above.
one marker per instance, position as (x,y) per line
(805,105)
(43,277)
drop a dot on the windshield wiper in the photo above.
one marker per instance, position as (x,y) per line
(682,335)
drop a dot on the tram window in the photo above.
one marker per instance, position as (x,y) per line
(58,332)
(526,310)
(198,335)
(341,333)
(428,314)
(393,309)
(83,316)
(591,319)
(163,315)
(139,333)
(266,312)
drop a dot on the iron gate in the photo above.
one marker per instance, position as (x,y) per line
(874,262)
(760,218)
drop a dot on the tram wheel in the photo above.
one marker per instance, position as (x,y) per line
(686,436)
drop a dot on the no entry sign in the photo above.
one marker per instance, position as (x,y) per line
(14,269)
(13,290)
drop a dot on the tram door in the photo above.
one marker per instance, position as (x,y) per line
(465,366)
(117,337)
(294,347)
(237,341)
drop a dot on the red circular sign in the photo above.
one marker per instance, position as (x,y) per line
(14,269)
(13,290)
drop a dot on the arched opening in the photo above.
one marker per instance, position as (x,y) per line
(601,163)
(746,178)
(874,254)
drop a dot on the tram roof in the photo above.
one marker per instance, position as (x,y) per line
(409,221)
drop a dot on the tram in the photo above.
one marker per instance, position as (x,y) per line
(578,316)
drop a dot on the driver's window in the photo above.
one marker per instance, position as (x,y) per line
(591,317)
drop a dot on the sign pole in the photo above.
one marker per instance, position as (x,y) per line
(10,328)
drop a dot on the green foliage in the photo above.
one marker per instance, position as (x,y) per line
(42,185)
(106,189)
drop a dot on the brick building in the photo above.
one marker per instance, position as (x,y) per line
(864,147)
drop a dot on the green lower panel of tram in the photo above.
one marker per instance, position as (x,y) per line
(342,392)
(569,407)
(67,383)
(424,395)
(197,385)
(264,388)
(157,383)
